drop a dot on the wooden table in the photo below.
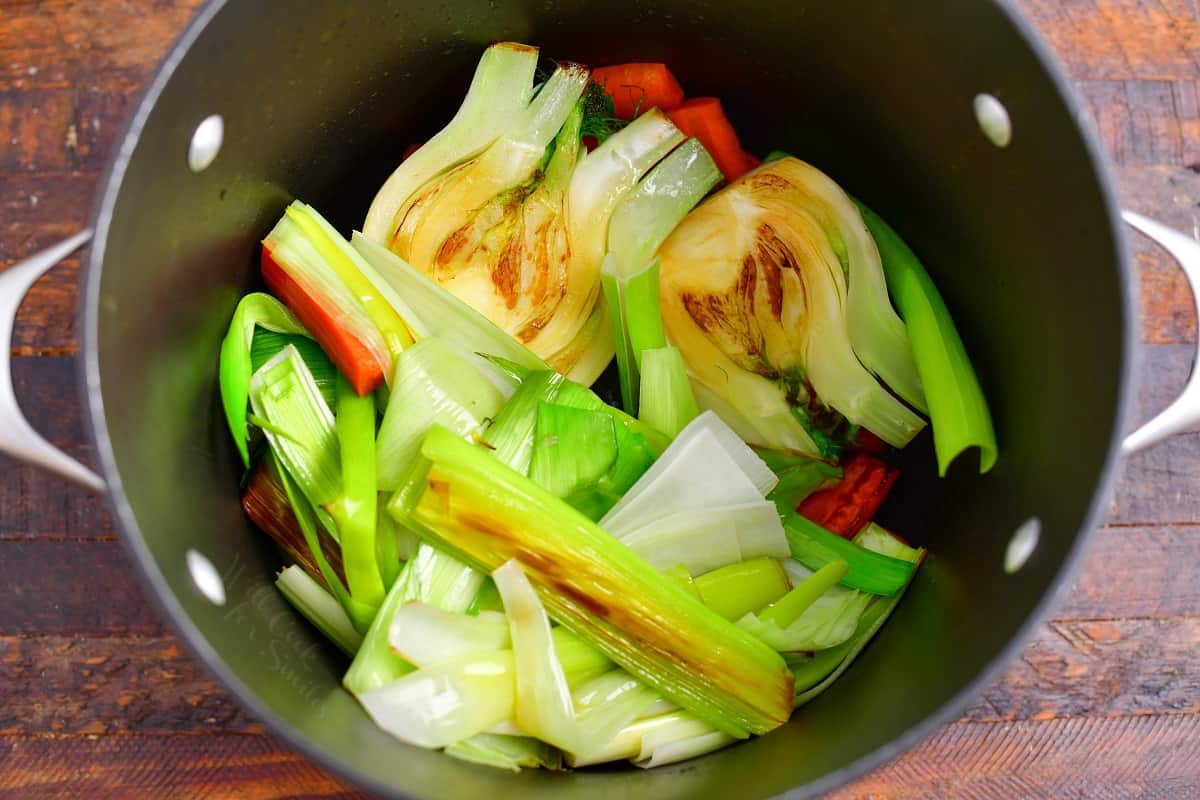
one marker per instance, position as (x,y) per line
(98,700)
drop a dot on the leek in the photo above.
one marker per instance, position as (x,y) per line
(424,635)
(319,607)
(827,623)
(500,90)
(573,448)
(486,599)
(705,539)
(432,384)
(300,425)
(799,475)
(639,225)
(506,752)
(253,311)
(957,408)
(816,675)
(667,402)
(489,514)
(739,589)
(430,577)
(543,701)
(444,703)
(773,292)
(511,434)
(267,344)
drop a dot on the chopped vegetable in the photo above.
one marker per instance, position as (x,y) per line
(267,344)
(423,634)
(499,93)
(236,367)
(630,272)
(649,625)
(957,408)
(814,547)
(773,291)
(319,607)
(506,752)
(573,448)
(846,507)
(704,118)
(739,589)
(433,385)
(355,509)
(666,401)
(638,87)
(796,602)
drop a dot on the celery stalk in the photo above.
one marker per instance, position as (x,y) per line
(814,547)
(237,363)
(784,612)
(957,408)
(738,589)
(489,514)
(667,402)
(319,607)
(355,510)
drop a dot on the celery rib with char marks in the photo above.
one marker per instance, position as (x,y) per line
(595,586)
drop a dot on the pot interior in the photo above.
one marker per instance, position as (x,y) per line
(320,101)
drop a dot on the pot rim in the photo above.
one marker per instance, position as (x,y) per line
(182,626)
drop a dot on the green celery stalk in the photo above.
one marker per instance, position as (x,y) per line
(957,408)
(355,511)
(388,537)
(738,589)
(573,448)
(255,310)
(319,607)
(818,673)
(667,403)
(784,612)
(591,583)
(814,547)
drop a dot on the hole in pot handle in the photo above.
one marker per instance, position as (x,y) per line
(1184,412)
(17,436)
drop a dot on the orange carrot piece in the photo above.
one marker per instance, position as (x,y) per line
(704,118)
(636,88)
(349,355)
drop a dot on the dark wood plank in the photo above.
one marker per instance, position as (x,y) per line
(72,588)
(1120,39)
(1146,122)
(225,767)
(110,685)
(1076,759)
(1136,573)
(1099,668)
(1157,486)
(56,43)
(1172,196)
(33,504)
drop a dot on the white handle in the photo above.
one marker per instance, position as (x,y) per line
(17,436)
(1185,411)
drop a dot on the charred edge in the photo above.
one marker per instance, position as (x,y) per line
(769,182)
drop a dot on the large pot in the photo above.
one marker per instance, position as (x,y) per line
(318,101)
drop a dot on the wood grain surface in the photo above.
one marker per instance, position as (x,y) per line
(98,700)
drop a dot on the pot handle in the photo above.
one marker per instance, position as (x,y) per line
(1184,412)
(17,436)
